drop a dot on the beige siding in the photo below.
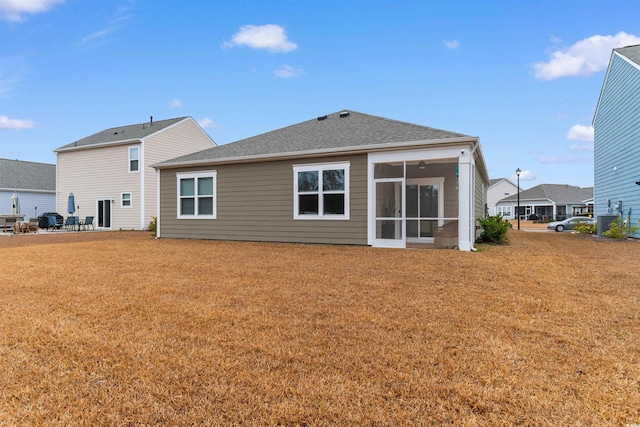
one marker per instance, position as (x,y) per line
(183,138)
(255,202)
(480,198)
(99,174)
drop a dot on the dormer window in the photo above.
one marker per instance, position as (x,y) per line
(134,154)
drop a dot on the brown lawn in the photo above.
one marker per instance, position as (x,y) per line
(119,330)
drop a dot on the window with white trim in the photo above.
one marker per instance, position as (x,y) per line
(504,211)
(134,153)
(125,200)
(197,195)
(321,191)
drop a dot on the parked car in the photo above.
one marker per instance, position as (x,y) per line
(570,223)
(43,220)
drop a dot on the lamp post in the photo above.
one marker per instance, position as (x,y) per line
(518,209)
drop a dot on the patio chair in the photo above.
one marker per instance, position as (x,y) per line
(33,225)
(88,222)
(52,223)
(71,223)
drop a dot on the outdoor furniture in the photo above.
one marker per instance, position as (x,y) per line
(33,225)
(52,223)
(71,223)
(20,227)
(88,222)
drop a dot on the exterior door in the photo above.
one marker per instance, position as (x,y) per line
(425,208)
(104,213)
(389,226)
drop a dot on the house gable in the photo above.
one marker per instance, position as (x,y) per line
(616,132)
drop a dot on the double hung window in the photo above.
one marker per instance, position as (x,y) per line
(134,154)
(197,195)
(125,200)
(321,191)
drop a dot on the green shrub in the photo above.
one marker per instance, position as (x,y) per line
(494,229)
(586,228)
(621,229)
(153,226)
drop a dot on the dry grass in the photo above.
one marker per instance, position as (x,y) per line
(134,331)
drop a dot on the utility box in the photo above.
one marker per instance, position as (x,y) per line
(604,221)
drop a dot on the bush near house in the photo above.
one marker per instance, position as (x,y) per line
(621,229)
(494,229)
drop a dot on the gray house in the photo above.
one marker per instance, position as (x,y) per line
(343,178)
(33,183)
(550,202)
(617,138)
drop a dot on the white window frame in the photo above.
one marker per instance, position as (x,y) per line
(505,211)
(195,176)
(122,205)
(137,159)
(320,167)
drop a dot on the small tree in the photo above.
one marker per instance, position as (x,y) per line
(153,226)
(494,229)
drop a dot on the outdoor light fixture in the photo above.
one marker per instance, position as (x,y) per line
(518,171)
(422,164)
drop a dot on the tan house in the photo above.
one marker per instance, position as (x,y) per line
(343,178)
(109,172)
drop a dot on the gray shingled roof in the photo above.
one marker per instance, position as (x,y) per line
(122,133)
(332,132)
(631,52)
(19,175)
(559,193)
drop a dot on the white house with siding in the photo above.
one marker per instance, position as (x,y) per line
(499,189)
(33,183)
(616,125)
(109,173)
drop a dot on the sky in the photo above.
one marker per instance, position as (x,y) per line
(523,76)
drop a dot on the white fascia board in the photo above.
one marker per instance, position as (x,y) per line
(104,144)
(391,146)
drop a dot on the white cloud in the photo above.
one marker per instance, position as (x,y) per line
(13,10)
(206,122)
(562,159)
(270,37)
(287,72)
(581,148)
(114,23)
(15,124)
(583,58)
(452,44)
(580,133)
(525,175)
(175,103)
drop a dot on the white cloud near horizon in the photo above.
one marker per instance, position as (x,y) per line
(206,122)
(14,10)
(15,124)
(451,44)
(270,37)
(525,175)
(175,103)
(580,133)
(121,15)
(584,57)
(287,72)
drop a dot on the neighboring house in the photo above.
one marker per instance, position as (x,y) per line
(109,173)
(343,178)
(616,124)
(550,202)
(499,189)
(33,183)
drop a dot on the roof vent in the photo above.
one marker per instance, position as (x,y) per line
(115,133)
(322,118)
(150,120)
(344,114)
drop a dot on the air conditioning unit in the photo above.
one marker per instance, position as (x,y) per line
(604,221)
